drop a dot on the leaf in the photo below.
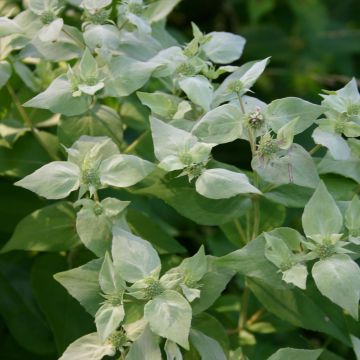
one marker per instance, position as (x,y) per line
(18,308)
(88,65)
(198,89)
(88,347)
(99,121)
(105,36)
(169,315)
(247,75)
(48,229)
(58,99)
(8,27)
(208,348)
(94,223)
(220,125)
(296,354)
(55,180)
(321,214)
(222,184)
(126,75)
(160,9)
(82,283)
(134,258)
(338,147)
(51,32)
(282,111)
(285,136)
(169,140)
(24,157)
(72,321)
(307,309)
(124,170)
(110,281)
(224,47)
(296,275)
(338,278)
(347,168)
(295,166)
(5,72)
(182,196)
(172,351)
(352,215)
(108,319)
(213,284)
(145,347)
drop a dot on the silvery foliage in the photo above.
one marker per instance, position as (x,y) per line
(190,116)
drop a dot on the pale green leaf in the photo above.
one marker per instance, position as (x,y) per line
(208,348)
(109,280)
(88,347)
(8,27)
(220,125)
(352,215)
(145,347)
(282,111)
(58,99)
(108,318)
(50,228)
(55,180)
(296,275)
(338,147)
(134,258)
(172,351)
(321,214)
(169,315)
(88,65)
(169,140)
(222,184)
(198,89)
(51,32)
(124,170)
(296,354)
(295,166)
(5,72)
(224,47)
(338,278)
(82,283)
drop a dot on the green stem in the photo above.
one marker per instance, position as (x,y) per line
(135,143)
(244,308)
(241,231)
(315,149)
(96,196)
(29,123)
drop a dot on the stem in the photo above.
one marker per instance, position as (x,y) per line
(28,122)
(315,149)
(241,103)
(244,308)
(123,24)
(241,231)
(135,143)
(256,225)
(96,196)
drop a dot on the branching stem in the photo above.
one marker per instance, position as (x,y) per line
(28,122)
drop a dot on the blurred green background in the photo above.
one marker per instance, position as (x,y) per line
(314,44)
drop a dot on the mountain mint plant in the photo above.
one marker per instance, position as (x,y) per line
(125,122)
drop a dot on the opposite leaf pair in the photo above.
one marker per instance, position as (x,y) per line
(177,149)
(336,275)
(93,163)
